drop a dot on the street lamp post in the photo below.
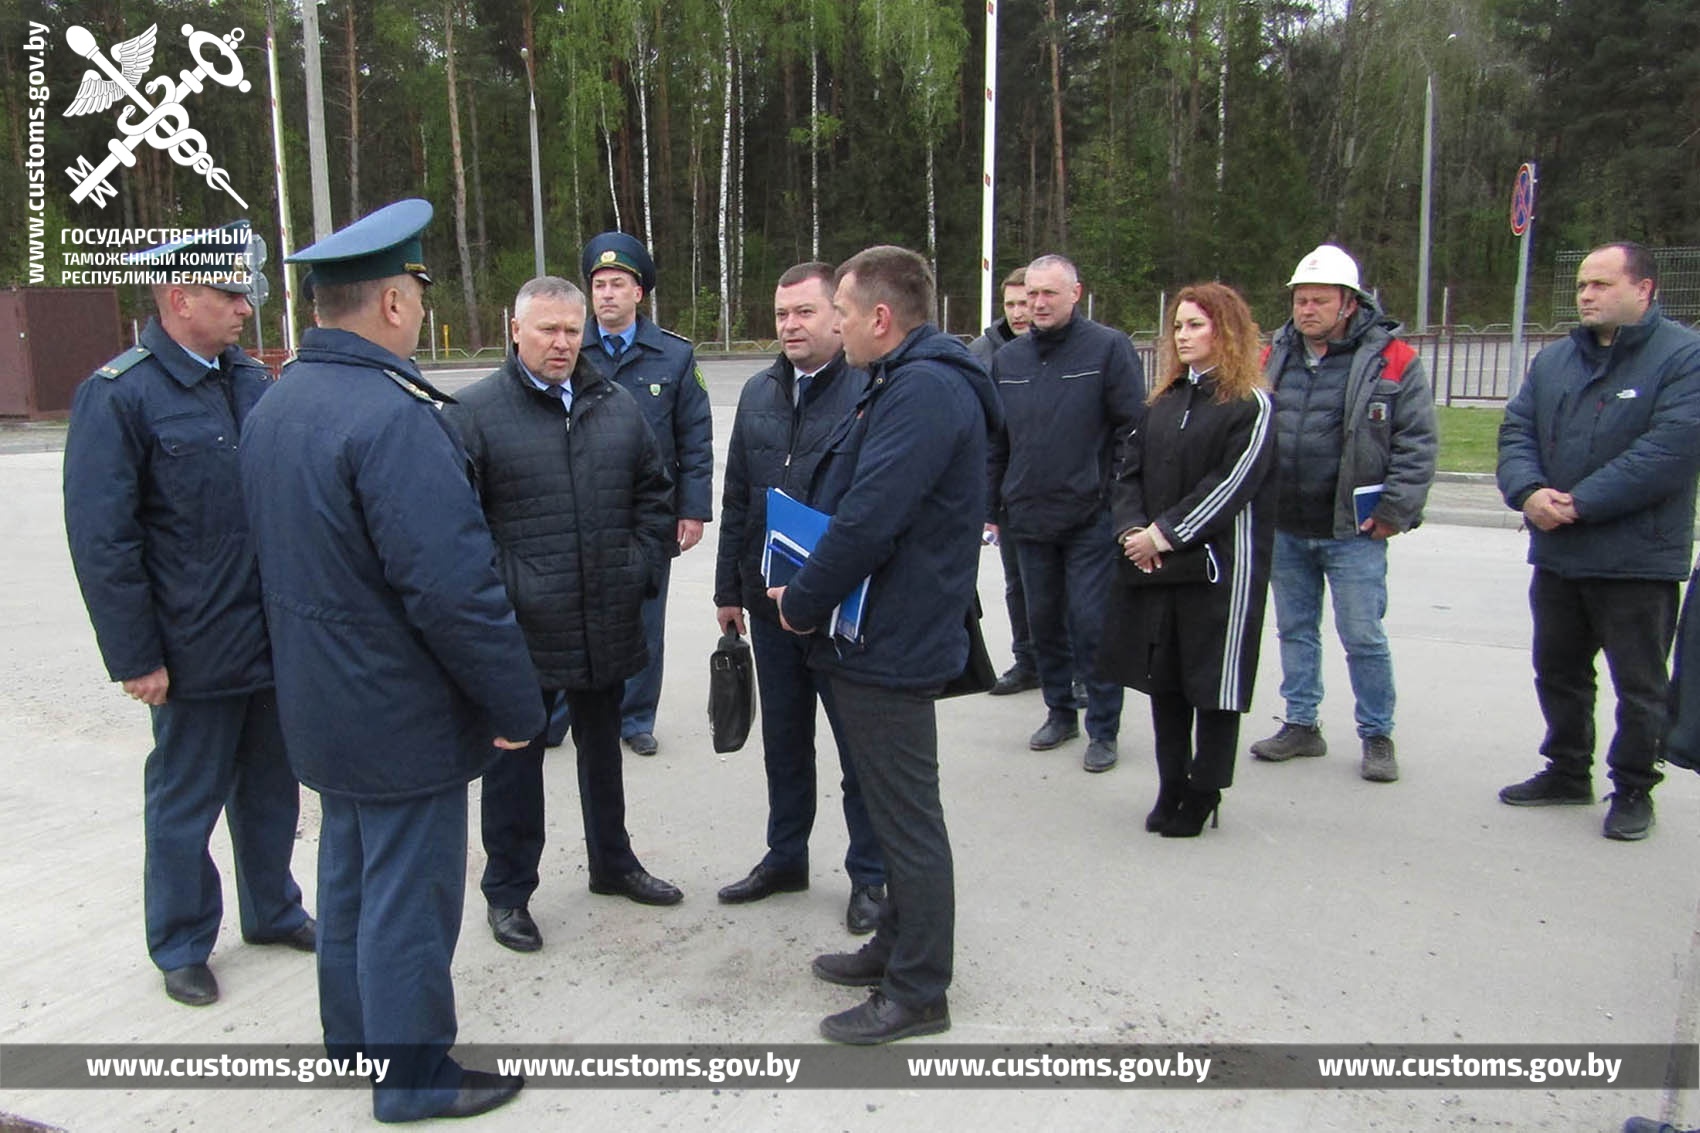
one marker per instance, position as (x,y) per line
(536,168)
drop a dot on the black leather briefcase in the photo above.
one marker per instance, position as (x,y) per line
(731,692)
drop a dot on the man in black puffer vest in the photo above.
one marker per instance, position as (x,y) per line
(581,510)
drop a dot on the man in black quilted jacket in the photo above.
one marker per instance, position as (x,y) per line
(580,506)
(788,416)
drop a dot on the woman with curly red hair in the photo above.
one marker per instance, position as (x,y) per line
(1193,506)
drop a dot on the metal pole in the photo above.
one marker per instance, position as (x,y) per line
(988,164)
(317,164)
(1427,207)
(1517,300)
(536,169)
(285,245)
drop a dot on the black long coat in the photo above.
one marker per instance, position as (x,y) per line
(1201,471)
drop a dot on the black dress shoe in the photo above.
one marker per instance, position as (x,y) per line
(481,1091)
(514,928)
(882,1020)
(1015,680)
(862,915)
(303,939)
(193,985)
(639,886)
(864,967)
(764,881)
(643,743)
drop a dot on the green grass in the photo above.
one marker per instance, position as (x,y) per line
(1469,437)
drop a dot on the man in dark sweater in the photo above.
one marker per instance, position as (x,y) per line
(1071,388)
(580,506)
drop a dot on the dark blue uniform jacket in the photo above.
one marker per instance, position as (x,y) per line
(153,509)
(398,657)
(660,370)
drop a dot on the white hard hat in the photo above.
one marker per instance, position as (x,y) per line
(1327,264)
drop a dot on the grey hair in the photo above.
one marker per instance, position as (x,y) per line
(548,287)
(1055,261)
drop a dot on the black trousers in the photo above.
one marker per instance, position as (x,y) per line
(1633,621)
(511,819)
(892,737)
(1210,764)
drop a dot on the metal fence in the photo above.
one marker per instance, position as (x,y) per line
(1464,366)
(1679,279)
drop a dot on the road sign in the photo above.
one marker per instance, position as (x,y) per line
(1523,199)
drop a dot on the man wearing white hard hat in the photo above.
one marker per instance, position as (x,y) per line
(1355,437)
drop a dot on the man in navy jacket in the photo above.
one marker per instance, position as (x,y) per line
(904,482)
(1071,388)
(153,509)
(1598,451)
(401,672)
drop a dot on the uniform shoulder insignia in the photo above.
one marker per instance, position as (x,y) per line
(402,381)
(701,381)
(680,337)
(123,362)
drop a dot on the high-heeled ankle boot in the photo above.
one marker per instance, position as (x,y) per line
(1196,805)
(1168,805)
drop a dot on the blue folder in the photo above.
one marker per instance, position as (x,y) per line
(794,529)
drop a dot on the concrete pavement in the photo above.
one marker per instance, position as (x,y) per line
(1324,909)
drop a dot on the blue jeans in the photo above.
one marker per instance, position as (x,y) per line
(1356,573)
(788,688)
(1068,588)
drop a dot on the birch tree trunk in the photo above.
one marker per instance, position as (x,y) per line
(353,114)
(725,172)
(608,143)
(475,339)
(814,137)
(1225,30)
(642,57)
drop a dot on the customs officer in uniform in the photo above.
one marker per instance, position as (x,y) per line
(659,368)
(401,671)
(153,509)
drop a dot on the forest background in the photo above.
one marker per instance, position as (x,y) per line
(1155,142)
